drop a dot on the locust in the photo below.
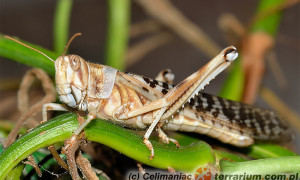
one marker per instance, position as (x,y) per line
(137,101)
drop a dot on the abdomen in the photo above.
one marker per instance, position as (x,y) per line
(230,122)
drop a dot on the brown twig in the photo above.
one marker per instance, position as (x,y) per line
(57,157)
(232,28)
(70,150)
(71,146)
(168,15)
(85,167)
(140,49)
(254,49)
(144,27)
(50,96)
(32,163)
(276,70)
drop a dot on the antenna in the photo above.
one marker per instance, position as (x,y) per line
(8,37)
(72,38)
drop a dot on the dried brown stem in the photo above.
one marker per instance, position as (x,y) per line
(32,163)
(144,27)
(254,49)
(70,153)
(276,70)
(50,96)
(168,15)
(142,48)
(232,28)
(85,167)
(70,150)
(57,157)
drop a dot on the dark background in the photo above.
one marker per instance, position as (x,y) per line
(32,21)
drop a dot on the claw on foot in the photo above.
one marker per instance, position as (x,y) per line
(165,138)
(175,142)
(150,147)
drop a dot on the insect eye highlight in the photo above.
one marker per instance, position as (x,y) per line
(75,62)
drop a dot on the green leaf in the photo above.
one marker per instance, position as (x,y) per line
(228,156)
(15,173)
(14,51)
(266,150)
(288,164)
(61,25)
(117,32)
(234,84)
(267,22)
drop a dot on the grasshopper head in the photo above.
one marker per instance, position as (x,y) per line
(71,78)
(72,74)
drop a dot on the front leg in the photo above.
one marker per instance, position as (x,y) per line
(62,107)
(52,107)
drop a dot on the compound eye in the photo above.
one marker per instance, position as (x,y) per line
(75,62)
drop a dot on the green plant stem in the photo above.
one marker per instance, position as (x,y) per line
(187,158)
(61,25)
(117,32)
(277,165)
(16,172)
(267,23)
(43,136)
(265,150)
(186,140)
(14,51)
(228,156)
(234,84)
